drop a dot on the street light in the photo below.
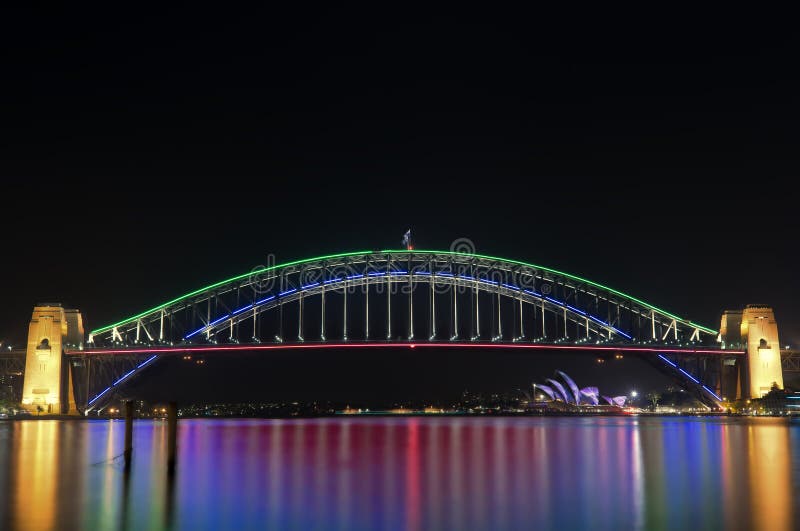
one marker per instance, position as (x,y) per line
(634,394)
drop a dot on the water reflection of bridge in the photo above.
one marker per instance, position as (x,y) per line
(437,473)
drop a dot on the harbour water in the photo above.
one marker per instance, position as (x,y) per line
(405,473)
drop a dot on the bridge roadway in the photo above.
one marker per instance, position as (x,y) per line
(309,345)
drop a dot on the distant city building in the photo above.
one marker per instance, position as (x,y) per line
(9,385)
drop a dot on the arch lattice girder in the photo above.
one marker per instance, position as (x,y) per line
(573,296)
(221,323)
(233,317)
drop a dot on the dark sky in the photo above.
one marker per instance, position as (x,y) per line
(144,154)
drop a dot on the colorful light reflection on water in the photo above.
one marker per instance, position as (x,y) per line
(405,473)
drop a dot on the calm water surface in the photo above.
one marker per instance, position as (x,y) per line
(405,473)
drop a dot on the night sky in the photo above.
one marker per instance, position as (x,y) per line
(145,154)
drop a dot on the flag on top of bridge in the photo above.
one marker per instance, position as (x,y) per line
(407,239)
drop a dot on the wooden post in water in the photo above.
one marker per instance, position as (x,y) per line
(128,432)
(172,433)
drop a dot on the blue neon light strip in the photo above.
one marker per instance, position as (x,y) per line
(195,332)
(148,360)
(668,361)
(695,380)
(123,377)
(442,273)
(603,323)
(107,389)
(212,323)
(240,310)
(712,393)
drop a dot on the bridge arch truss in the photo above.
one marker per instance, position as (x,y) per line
(403,295)
(392,297)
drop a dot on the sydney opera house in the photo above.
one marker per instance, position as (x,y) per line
(571,394)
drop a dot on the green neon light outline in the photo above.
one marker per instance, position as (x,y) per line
(556,271)
(575,277)
(451,253)
(220,283)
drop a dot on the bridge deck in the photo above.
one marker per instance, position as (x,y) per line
(180,349)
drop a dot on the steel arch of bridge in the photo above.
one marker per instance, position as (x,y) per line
(578,309)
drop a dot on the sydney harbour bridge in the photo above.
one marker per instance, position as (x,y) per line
(396,299)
